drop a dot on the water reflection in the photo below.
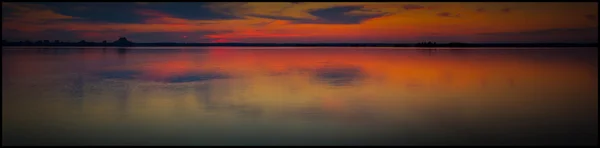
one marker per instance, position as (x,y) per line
(127,74)
(338,75)
(196,77)
(122,51)
(220,96)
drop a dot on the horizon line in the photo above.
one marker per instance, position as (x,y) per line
(52,42)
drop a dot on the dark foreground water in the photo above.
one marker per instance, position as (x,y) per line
(299,96)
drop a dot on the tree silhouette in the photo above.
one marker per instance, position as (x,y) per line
(122,41)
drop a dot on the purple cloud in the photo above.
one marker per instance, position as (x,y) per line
(506,10)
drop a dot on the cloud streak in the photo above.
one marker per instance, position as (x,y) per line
(339,15)
(447,14)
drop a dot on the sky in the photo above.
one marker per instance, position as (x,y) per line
(302,22)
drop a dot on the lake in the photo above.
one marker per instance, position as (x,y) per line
(299,96)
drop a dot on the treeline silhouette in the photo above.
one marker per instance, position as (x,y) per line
(452,44)
(122,41)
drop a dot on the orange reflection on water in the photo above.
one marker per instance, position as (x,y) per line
(284,78)
(378,87)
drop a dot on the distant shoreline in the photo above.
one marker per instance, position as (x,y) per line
(306,45)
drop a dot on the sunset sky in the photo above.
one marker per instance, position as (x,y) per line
(284,22)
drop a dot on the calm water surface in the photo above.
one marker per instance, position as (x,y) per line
(299,96)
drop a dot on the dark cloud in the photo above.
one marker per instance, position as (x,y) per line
(412,7)
(337,15)
(447,14)
(277,17)
(190,10)
(104,12)
(119,12)
(24,5)
(15,11)
(334,15)
(506,10)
